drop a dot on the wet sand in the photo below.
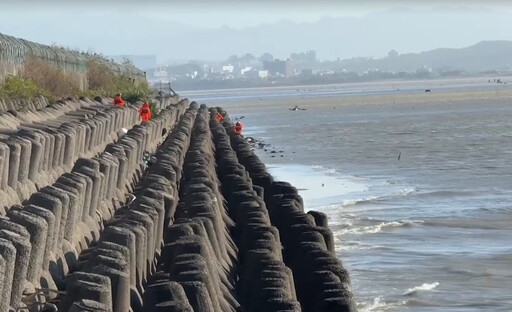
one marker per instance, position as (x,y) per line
(502,94)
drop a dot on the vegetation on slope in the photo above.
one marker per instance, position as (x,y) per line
(40,78)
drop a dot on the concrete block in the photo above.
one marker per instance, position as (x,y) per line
(37,227)
(22,245)
(126,238)
(85,305)
(87,286)
(8,254)
(120,283)
(198,296)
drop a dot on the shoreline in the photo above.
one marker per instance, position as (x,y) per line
(256,104)
(351,85)
(318,186)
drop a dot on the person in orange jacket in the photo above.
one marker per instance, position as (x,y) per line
(238,127)
(145,112)
(219,117)
(118,100)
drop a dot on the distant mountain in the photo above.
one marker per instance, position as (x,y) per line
(483,56)
(373,35)
(133,33)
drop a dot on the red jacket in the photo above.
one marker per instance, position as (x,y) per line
(118,101)
(145,112)
(238,128)
(219,117)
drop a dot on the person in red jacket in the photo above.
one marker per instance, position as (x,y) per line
(238,127)
(219,117)
(145,112)
(118,100)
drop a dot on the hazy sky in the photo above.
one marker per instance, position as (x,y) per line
(167,28)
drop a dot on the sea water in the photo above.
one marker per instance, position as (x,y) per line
(418,196)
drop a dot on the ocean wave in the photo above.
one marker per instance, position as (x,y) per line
(372,229)
(424,287)
(348,246)
(379,305)
(325,170)
(320,168)
(447,193)
(389,182)
(354,202)
(469,223)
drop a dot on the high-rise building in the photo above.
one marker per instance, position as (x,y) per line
(311,58)
(279,68)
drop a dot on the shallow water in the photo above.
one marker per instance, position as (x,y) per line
(429,231)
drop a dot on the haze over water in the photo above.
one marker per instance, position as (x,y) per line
(427,232)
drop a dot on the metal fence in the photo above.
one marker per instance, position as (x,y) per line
(15,51)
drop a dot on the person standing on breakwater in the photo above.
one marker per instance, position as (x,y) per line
(219,117)
(145,112)
(118,100)
(238,127)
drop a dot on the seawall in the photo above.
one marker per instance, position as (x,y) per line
(206,228)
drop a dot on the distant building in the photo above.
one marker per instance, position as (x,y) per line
(159,75)
(279,68)
(311,58)
(143,62)
(245,69)
(251,74)
(306,72)
(263,74)
(228,68)
(266,57)
(304,60)
(325,72)
(393,54)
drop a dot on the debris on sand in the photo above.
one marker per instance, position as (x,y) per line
(297,108)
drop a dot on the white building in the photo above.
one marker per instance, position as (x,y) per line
(244,70)
(263,74)
(228,68)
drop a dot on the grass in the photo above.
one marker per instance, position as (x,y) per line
(21,88)
(49,78)
(40,78)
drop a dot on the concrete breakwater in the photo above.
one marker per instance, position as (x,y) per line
(209,228)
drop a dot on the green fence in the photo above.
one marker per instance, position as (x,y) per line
(14,51)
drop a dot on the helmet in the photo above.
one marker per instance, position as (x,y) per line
(122,132)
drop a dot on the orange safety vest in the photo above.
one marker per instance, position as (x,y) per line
(145,113)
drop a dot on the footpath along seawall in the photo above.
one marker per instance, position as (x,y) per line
(209,228)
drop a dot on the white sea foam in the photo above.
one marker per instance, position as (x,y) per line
(372,229)
(353,202)
(379,305)
(353,245)
(403,192)
(319,167)
(425,287)
(327,171)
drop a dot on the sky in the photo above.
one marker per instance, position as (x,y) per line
(214,30)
